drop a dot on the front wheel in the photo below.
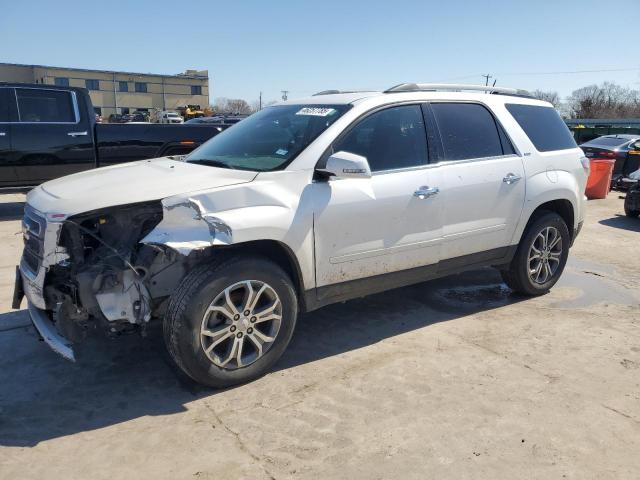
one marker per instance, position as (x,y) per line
(541,256)
(228,324)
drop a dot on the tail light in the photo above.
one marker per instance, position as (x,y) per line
(585,164)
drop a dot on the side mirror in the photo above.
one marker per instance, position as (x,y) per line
(346,165)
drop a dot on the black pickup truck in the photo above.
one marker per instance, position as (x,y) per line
(48,131)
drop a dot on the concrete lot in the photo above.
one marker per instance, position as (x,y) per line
(453,378)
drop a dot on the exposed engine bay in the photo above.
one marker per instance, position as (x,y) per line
(111,280)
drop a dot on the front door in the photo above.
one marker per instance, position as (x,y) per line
(379,225)
(483,177)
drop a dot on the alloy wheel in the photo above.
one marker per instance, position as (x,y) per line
(544,255)
(241,324)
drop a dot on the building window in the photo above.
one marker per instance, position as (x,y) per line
(92,84)
(123,86)
(141,87)
(61,81)
(196,90)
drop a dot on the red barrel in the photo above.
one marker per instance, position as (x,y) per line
(599,181)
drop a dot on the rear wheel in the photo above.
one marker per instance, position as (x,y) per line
(228,324)
(541,256)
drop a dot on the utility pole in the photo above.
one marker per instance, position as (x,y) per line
(284,95)
(487,77)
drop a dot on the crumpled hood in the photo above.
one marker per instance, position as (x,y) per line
(134,182)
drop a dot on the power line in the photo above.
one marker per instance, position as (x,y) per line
(563,72)
(576,71)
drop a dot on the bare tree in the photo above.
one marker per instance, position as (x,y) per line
(231,106)
(238,106)
(604,101)
(552,97)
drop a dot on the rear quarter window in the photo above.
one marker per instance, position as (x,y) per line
(544,127)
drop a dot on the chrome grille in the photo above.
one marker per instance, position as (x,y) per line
(33,229)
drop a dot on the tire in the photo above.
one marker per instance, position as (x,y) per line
(627,207)
(522,275)
(192,301)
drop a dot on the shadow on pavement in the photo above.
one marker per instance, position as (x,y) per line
(623,222)
(11,210)
(44,397)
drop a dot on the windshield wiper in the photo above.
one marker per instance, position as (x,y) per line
(211,163)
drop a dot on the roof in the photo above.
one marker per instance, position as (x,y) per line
(419,95)
(179,75)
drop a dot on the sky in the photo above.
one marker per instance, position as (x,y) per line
(307,46)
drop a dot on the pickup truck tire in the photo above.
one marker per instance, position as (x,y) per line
(228,322)
(541,256)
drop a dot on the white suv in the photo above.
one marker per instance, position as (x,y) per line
(169,117)
(303,204)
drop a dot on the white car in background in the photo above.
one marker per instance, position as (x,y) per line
(303,204)
(169,117)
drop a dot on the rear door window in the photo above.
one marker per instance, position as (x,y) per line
(544,127)
(390,139)
(468,130)
(49,106)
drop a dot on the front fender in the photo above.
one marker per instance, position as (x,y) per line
(261,210)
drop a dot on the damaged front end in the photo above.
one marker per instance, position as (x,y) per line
(97,271)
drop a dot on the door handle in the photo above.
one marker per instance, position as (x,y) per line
(426,192)
(511,178)
(78,134)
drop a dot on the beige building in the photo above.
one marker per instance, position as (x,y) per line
(119,92)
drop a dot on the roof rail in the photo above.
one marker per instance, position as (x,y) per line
(334,92)
(456,87)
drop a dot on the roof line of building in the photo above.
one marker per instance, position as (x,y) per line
(179,75)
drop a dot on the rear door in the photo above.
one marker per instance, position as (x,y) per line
(52,136)
(483,178)
(7,171)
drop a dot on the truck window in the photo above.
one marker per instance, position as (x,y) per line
(467,130)
(544,127)
(52,106)
(4,104)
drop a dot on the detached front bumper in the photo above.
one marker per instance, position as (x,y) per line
(48,332)
(40,318)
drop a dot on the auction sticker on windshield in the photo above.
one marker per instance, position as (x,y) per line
(315,111)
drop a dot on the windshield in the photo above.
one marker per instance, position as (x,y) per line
(269,139)
(172,114)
